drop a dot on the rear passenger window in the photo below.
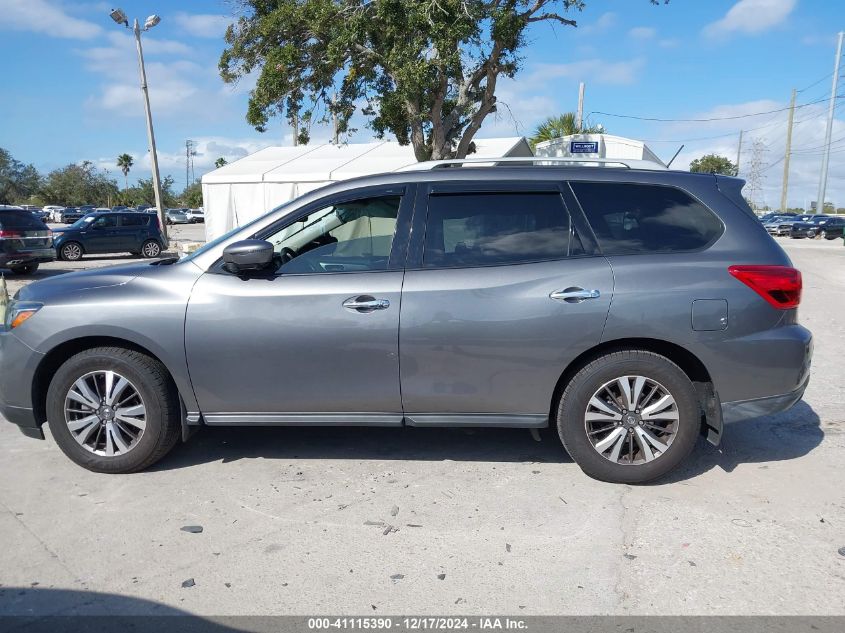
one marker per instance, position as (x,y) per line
(482,229)
(133,220)
(634,218)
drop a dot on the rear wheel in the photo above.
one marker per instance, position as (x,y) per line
(72,251)
(629,417)
(113,410)
(150,249)
(27,269)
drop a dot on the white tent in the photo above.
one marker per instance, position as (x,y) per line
(247,188)
(607,146)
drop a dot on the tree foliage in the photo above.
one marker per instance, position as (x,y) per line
(192,195)
(143,193)
(18,182)
(78,184)
(562,125)
(713,164)
(124,163)
(424,70)
(220,162)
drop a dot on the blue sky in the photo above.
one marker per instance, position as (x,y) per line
(71,83)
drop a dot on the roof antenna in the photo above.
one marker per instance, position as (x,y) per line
(669,164)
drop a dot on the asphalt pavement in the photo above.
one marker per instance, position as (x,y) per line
(439,521)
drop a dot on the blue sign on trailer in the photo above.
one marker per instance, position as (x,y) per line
(583,147)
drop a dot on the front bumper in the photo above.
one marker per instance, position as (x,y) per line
(18,363)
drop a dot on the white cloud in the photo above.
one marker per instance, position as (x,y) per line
(642,33)
(40,16)
(596,70)
(751,17)
(203,24)
(605,22)
(669,42)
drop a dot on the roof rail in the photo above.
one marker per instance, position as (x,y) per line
(542,160)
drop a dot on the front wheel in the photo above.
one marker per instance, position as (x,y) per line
(113,410)
(151,249)
(629,417)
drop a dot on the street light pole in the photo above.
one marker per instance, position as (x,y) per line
(151,135)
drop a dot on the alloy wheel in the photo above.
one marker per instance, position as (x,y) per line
(151,249)
(105,413)
(72,251)
(631,420)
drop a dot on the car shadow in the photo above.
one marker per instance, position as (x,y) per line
(35,609)
(784,436)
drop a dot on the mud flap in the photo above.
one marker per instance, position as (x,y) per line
(711,412)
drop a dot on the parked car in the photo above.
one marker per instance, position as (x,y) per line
(55,212)
(196,215)
(69,215)
(120,207)
(176,216)
(768,217)
(779,225)
(41,214)
(528,296)
(25,241)
(822,226)
(110,232)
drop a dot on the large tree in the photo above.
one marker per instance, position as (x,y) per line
(78,184)
(124,163)
(18,182)
(424,70)
(713,164)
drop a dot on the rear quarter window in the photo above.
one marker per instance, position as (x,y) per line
(134,220)
(21,220)
(640,218)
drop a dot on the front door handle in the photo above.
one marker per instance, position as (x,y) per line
(574,295)
(366,303)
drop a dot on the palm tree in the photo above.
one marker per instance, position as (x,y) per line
(125,162)
(220,162)
(562,125)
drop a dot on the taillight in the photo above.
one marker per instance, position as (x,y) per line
(10,233)
(779,285)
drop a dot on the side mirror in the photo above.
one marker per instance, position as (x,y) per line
(247,255)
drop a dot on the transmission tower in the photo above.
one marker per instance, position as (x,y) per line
(756,173)
(190,152)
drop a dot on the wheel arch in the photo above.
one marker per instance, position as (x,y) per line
(689,363)
(58,355)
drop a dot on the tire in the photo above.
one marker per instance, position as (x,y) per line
(811,234)
(148,378)
(71,251)
(28,269)
(573,411)
(150,249)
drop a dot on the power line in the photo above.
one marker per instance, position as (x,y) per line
(815,83)
(724,118)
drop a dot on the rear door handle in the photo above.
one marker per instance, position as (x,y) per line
(574,294)
(366,303)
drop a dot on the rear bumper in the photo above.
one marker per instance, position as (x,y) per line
(27,256)
(747,409)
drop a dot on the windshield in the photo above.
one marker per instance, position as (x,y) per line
(84,221)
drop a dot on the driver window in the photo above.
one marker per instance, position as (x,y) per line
(346,237)
(106,222)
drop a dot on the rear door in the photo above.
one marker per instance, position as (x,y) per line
(132,231)
(502,291)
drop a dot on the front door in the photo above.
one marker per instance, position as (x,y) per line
(499,297)
(316,340)
(102,235)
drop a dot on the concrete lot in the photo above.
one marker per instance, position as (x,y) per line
(389,521)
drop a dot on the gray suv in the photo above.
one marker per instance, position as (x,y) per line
(633,309)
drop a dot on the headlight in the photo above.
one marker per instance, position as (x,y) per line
(19,311)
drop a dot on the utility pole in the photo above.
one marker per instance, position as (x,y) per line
(826,157)
(150,134)
(738,152)
(580,116)
(788,151)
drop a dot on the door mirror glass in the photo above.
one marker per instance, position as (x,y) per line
(247,256)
